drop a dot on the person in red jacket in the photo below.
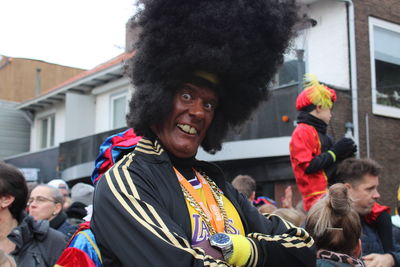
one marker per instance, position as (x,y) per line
(313,154)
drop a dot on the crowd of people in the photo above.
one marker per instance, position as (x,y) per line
(200,69)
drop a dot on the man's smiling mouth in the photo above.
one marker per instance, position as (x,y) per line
(187,128)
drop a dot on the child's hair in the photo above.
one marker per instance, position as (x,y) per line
(291,215)
(333,223)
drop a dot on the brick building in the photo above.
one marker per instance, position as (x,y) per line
(377,25)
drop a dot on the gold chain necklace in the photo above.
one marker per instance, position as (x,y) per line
(218,198)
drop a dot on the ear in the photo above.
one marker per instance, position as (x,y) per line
(318,108)
(358,249)
(6,201)
(59,208)
(252,196)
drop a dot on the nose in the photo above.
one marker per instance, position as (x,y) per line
(376,195)
(197,109)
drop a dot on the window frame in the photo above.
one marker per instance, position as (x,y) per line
(51,131)
(114,97)
(379,109)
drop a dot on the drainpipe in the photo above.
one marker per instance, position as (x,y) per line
(353,70)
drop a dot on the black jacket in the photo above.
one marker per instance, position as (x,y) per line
(374,241)
(140,218)
(61,224)
(37,245)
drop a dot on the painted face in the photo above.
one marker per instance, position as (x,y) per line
(364,194)
(41,204)
(186,126)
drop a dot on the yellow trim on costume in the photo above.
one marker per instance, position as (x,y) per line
(254,255)
(148,152)
(287,224)
(93,244)
(241,250)
(316,193)
(286,240)
(332,154)
(141,216)
(146,146)
(207,76)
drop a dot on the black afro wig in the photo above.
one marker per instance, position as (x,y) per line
(240,41)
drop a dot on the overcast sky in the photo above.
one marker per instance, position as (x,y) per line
(76,33)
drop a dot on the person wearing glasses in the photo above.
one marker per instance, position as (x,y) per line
(28,242)
(46,203)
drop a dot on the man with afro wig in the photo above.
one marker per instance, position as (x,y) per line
(201,68)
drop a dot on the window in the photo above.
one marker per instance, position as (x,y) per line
(293,62)
(385,67)
(47,131)
(119,108)
(288,73)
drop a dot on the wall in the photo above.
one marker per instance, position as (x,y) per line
(103,96)
(14,130)
(79,115)
(18,77)
(59,111)
(326,50)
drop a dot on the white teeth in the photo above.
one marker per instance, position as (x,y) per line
(193,131)
(187,129)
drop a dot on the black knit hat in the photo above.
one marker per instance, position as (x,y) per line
(235,46)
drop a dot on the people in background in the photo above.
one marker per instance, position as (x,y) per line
(266,208)
(336,229)
(313,153)
(246,185)
(82,197)
(265,204)
(64,189)
(46,203)
(361,177)
(29,242)
(290,214)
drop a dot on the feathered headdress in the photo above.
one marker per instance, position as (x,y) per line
(232,46)
(315,94)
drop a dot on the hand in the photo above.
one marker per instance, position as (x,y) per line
(378,260)
(344,148)
(209,250)
(287,199)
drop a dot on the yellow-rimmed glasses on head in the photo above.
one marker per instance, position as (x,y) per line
(40,200)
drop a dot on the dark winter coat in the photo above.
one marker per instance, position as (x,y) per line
(372,243)
(37,245)
(61,224)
